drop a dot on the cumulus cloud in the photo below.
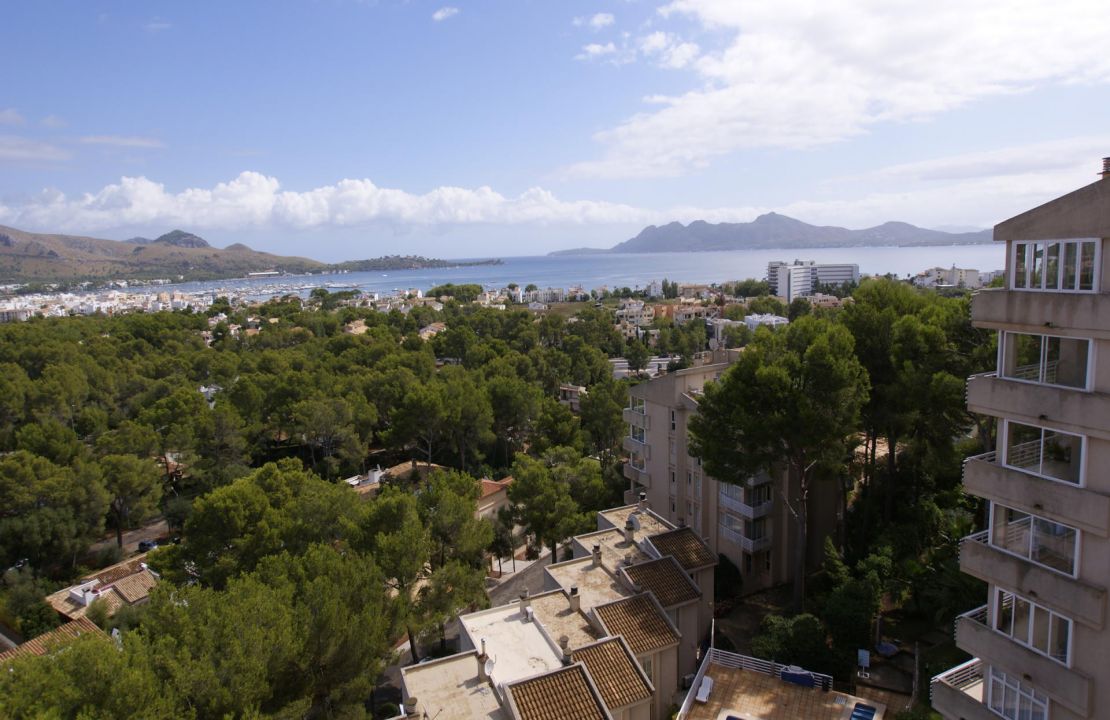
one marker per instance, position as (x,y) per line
(124,141)
(595,22)
(594,51)
(13,147)
(53,121)
(11,116)
(254,200)
(796,74)
(444,13)
(668,49)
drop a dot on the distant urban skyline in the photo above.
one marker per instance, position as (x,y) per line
(340,129)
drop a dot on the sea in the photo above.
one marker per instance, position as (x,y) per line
(633,270)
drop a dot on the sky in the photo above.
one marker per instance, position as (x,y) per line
(343,129)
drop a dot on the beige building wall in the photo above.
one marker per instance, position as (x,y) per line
(1061,486)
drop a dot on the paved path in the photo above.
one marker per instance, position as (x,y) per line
(131,538)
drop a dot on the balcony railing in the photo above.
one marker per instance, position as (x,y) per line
(636,417)
(637,475)
(747,544)
(735,661)
(751,512)
(632,445)
(967,678)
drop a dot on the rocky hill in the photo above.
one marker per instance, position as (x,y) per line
(28,257)
(773,231)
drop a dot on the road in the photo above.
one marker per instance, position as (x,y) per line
(154,531)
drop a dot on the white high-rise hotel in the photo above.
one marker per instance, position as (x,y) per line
(1040,641)
(797,279)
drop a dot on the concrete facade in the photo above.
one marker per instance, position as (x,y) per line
(750,524)
(1041,638)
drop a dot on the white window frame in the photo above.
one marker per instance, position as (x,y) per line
(637,405)
(633,430)
(1028,556)
(996,609)
(1005,454)
(1091,359)
(1013,251)
(1035,698)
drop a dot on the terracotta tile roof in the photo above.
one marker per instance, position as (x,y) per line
(616,673)
(644,626)
(134,588)
(563,694)
(61,634)
(684,544)
(112,573)
(125,583)
(489,487)
(665,579)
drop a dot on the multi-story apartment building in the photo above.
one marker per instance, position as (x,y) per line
(797,279)
(751,524)
(1040,641)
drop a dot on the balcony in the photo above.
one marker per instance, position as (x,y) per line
(961,692)
(637,475)
(757,480)
(751,512)
(636,418)
(1034,312)
(985,477)
(1078,600)
(632,445)
(1066,409)
(1062,684)
(747,544)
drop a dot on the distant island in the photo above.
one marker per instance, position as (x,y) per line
(406,262)
(27,257)
(773,231)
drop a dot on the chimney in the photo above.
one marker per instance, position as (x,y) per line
(1105,168)
(564,643)
(410,708)
(629,529)
(575,599)
(482,658)
(642,505)
(682,521)
(524,604)
(597,555)
(628,559)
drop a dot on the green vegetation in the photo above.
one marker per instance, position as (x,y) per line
(286,594)
(465,293)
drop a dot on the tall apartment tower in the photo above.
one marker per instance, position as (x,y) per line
(797,279)
(1041,643)
(751,525)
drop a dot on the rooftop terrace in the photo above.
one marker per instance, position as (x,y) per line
(596,584)
(516,645)
(449,689)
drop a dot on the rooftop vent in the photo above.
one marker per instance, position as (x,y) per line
(1105,168)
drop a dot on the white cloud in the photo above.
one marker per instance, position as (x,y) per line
(155,26)
(668,49)
(10,116)
(124,141)
(13,147)
(253,199)
(796,74)
(596,22)
(53,121)
(594,51)
(445,12)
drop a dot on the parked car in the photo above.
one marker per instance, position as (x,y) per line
(147,545)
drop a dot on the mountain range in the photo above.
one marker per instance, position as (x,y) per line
(39,257)
(774,231)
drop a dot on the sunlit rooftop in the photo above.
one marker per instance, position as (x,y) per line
(449,689)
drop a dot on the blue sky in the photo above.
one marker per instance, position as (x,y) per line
(342,129)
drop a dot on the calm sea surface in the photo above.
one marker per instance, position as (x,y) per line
(631,270)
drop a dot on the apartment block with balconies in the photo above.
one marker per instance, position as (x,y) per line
(749,524)
(1040,639)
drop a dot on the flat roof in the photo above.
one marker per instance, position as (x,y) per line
(650,523)
(596,584)
(757,696)
(614,548)
(517,647)
(552,610)
(449,689)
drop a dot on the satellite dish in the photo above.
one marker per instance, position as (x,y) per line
(489,667)
(635,520)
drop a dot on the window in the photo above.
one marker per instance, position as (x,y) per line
(1015,700)
(637,433)
(672,479)
(1055,265)
(1045,359)
(733,523)
(689,478)
(1033,626)
(1051,453)
(755,529)
(636,460)
(645,663)
(672,420)
(758,495)
(636,405)
(1034,538)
